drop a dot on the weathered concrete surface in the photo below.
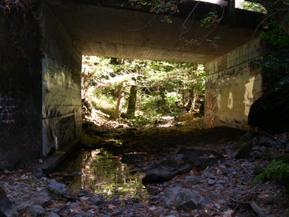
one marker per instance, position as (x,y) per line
(61,93)
(40,63)
(20,89)
(270,112)
(105,28)
(235,82)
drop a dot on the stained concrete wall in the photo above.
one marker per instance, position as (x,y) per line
(234,83)
(115,29)
(61,68)
(40,99)
(20,89)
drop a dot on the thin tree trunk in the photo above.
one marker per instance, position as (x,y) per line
(132,102)
(194,102)
(183,97)
(118,102)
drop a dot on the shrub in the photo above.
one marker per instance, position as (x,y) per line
(278,171)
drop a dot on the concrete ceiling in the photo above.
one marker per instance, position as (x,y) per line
(120,32)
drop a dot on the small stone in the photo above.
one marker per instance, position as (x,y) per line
(52,214)
(117,212)
(90,213)
(41,197)
(268,141)
(219,187)
(211,181)
(192,180)
(33,211)
(57,187)
(222,182)
(182,198)
(218,206)
(96,200)
(38,173)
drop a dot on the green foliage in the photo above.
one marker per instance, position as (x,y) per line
(210,20)
(256,7)
(275,66)
(106,84)
(277,170)
(145,120)
(158,6)
(165,104)
(276,37)
(104,103)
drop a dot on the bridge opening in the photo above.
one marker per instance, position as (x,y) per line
(128,105)
(142,93)
(119,91)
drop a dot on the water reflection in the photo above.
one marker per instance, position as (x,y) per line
(103,173)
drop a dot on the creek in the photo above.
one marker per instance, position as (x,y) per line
(100,172)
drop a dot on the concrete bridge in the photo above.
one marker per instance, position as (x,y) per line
(40,64)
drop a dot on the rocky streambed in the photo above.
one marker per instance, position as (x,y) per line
(209,174)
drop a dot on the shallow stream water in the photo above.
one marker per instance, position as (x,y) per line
(100,172)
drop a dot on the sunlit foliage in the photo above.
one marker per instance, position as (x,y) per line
(161,88)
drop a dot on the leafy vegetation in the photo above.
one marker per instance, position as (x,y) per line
(211,19)
(276,37)
(252,6)
(278,171)
(159,6)
(142,90)
(171,6)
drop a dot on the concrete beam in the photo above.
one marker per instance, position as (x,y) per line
(117,32)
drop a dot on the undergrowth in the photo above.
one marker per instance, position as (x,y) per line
(277,171)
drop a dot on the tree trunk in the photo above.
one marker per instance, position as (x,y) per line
(132,102)
(118,101)
(194,100)
(183,97)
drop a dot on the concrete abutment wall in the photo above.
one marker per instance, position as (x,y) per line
(234,83)
(20,89)
(61,91)
(40,93)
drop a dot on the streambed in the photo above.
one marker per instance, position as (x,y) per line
(100,172)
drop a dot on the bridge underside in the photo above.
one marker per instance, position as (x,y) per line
(44,112)
(100,29)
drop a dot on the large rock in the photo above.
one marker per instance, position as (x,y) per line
(5,205)
(180,163)
(270,112)
(182,198)
(33,211)
(57,188)
(200,158)
(166,170)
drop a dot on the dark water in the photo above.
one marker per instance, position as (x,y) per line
(100,172)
